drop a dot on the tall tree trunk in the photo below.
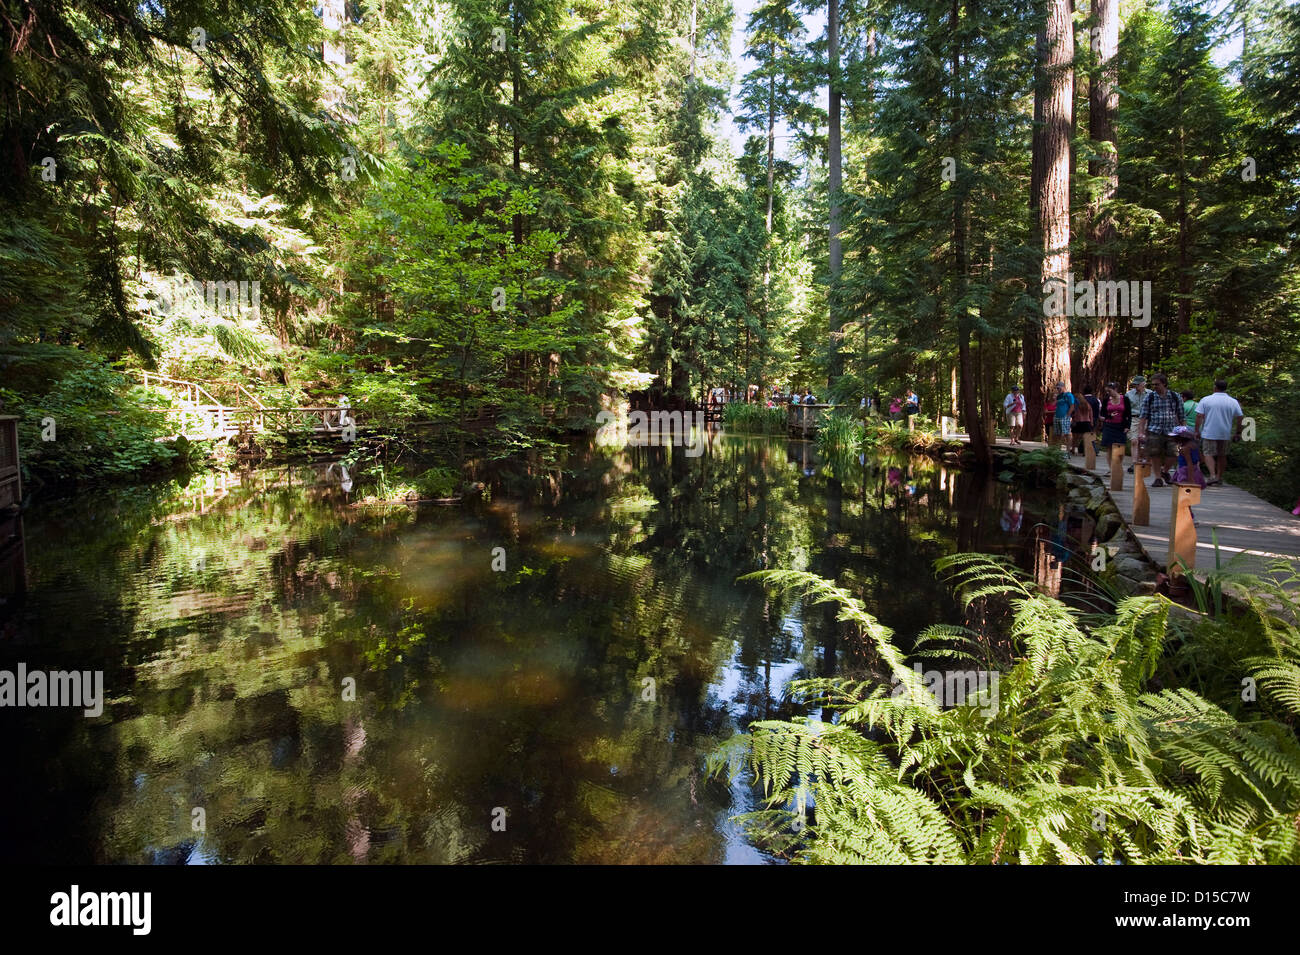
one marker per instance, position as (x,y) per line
(970,410)
(1033,337)
(1184,307)
(1103,102)
(767,240)
(690,77)
(516,80)
(1057,92)
(833,150)
(868,377)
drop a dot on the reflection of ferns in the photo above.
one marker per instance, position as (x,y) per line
(1078,761)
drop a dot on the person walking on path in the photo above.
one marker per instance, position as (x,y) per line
(1095,404)
(1116,417)
(1061,419)
(1162,411)
(1189,457)
(1083,419)
(1218,421)
(1049,414)
(1014,405)
(1081,422)
(1189,409)
(1137,396)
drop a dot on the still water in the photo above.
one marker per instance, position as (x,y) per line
(557,710)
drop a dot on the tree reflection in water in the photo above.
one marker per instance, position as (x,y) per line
(228,614)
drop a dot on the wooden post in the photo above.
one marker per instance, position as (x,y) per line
(1117,467)
(1141,502)
(1182,531)
(1089,453)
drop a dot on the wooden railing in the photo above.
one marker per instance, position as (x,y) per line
(11,478)
(191,389)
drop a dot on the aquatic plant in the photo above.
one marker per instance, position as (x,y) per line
(1083,759)
(836,432)
(754,418)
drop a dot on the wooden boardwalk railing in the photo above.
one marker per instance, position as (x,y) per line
(201,420)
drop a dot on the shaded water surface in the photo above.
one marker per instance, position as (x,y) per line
(570,698)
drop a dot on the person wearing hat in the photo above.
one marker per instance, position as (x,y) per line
(1188,469)
(1014,405)
(1136,396)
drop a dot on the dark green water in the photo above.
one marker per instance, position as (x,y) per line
(578,690)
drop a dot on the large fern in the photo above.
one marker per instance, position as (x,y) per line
(1080,761)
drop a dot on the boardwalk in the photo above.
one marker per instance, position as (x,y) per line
(200,416)
(1251,531)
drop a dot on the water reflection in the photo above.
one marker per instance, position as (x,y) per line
(336,683)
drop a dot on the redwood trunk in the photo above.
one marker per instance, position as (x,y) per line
(1057,92)
(1103,101)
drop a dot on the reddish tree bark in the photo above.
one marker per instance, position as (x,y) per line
(1103,102)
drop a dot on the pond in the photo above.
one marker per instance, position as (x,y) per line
(290,678)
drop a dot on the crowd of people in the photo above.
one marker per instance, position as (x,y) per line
(900,406)
(775,399)
(1173,431)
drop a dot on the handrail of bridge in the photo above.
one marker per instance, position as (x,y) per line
(190,386)
(252,396)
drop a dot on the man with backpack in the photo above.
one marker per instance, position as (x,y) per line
(1162,411)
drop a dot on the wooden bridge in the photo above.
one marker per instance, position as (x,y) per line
(202,417)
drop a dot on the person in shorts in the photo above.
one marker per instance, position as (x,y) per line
(1218,424)
(1061,418)
(1081,422)
(1014,405)
(1137,396)
(1162,411)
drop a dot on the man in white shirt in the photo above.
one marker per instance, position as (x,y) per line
(1218,422)
(1136,396)
(1014,405)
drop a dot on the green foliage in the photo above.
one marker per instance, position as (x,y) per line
(1042,466)
(1082,759)
(744,418)
(98,421)
(837,432)
(438,482)
(1243,653)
